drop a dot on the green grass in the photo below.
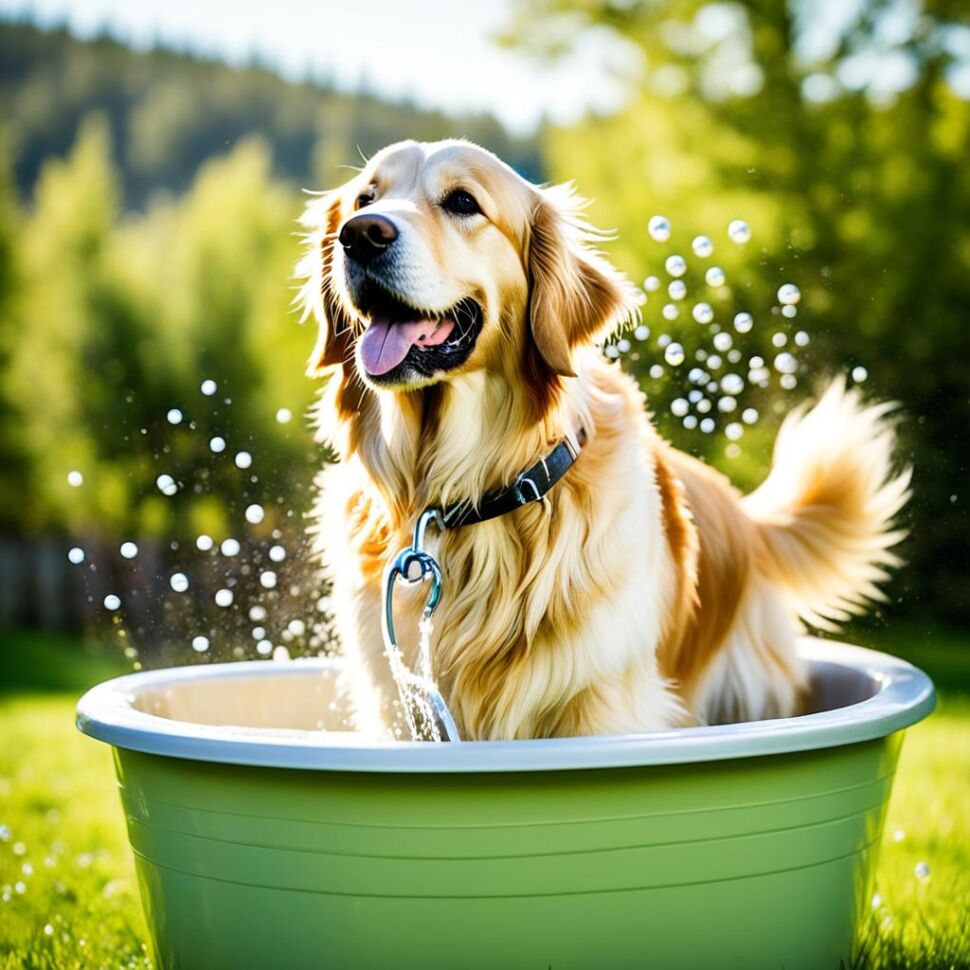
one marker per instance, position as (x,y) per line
(76,902)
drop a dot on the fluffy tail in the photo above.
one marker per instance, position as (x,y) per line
(826,511)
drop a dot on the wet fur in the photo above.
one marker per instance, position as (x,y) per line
(644,591)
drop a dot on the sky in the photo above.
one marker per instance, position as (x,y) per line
(438,53)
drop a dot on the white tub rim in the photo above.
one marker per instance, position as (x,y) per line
(904,695)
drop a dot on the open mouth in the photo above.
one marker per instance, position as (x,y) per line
(400,339)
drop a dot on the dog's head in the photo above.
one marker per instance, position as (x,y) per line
(438,259)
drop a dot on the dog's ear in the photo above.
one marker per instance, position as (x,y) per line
(575,296)
(317,296)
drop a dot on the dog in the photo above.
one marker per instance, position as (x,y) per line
(461,310)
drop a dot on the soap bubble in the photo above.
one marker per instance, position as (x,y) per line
(790,312)
(257,613)
(674,354)
(702,312)
(677,290)
(75,555)
(679,407)
(802,339)
(707,425)
(277,553)
(738,231)
(208,388)
(702,246)
(670,312)
(254,514)
(659,228)
(651,284)
(859,374)
(267,579)
(217,444)
(723,341)
(264,648)
(75,479)
(203,542)
(166,484)
(715,276)
(284,416)
(789,294)
(743,322)
(128,550)
(676,265)
(749,416)
(785,363)
(243,459)
(112,602)
(224,597)
(642,332)
(200,644)
(174,416)
(230,547)
(733,431)
(623,345)
(179,582)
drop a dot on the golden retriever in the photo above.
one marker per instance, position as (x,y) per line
(460,311)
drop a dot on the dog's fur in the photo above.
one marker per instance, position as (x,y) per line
(644,591)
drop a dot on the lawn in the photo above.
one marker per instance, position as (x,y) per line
(67,885)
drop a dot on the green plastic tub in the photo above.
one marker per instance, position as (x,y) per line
(264,842)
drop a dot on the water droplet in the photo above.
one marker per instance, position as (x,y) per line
(702,246)
(707,425)
(779,339)
(623,345)
(726,405)
(75,479)
(651,284)
(48,929)
(75,555)
(112,602)
(922,870)
(876,901)
(200,644)
(277,553)
(679,407)
(788,381)
(642,332)
(174,416)
(802,339)
(690,422)
(128,550)
(738,231)
(676,265)
(224,597)
(264,647)
(733,431)
(723,341)
(702,312)
(743,322)
(789,294)
(859,374)
(217,444)
(204,543)
(179,582)
(656,372)
(670,312)
(296,627)
(257,613)
(166,484)
(284,416)
(259,632)
(677,290)
(786,363)
(749,416)
(715,276)
(254,514)
(267,579)
(281,654)
(230,547)
(703,406)
(663,340)
(611,352)
(659,228)
(790,312)
(713,363)
(208,388)
(674,354)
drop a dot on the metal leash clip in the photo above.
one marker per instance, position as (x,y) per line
(424,707)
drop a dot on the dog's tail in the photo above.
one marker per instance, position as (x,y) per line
(826,510)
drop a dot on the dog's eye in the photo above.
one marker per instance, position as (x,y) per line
(365,198)
(460,202)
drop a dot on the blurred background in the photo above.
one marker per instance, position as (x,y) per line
(152,158)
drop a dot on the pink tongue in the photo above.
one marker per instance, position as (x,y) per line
(385,343)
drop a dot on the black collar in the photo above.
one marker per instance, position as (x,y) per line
(531,486)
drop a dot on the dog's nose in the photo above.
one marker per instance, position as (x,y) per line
(366,237)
